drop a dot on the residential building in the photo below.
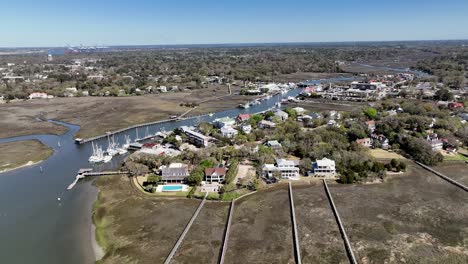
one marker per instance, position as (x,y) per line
(381,139)
(228,131)
(284,168)
(175,173)
(273,144)
(242,118)
(266,124)
(196,138)
(366,142)
(215,174)
(247,129)
(224,121)
(299,110)
(324,168)
(281,115)
(371,125)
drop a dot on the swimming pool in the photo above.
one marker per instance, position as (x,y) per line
(172,188)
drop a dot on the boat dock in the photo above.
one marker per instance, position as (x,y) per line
(88,172)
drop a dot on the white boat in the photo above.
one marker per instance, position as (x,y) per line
(98,154)
(211,114)
(107,158)
(244,106)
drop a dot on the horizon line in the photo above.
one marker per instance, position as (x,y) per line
(235,43)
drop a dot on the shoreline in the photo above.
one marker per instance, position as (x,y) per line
(27,164)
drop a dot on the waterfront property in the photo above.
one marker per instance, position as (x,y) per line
(175,173)
(196,138)
(324,168)
(215,174)
(228,131)
(283,168)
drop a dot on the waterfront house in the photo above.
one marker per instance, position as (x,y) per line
(196,138)
(215,174)
(224,121)
(242,118)
(324,168)
(381,139)
(299,110)
(175,173)
(284,168)
(38,96)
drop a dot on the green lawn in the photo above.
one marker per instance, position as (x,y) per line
(457,157)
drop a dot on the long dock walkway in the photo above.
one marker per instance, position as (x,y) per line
(452,181)
(349,250)
(82,173)
(297,248)
(184,233)
(226,233)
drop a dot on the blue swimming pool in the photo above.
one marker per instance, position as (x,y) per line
(172,188)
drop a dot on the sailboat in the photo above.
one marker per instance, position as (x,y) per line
(59,145)
(124,149)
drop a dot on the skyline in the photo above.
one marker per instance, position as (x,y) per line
(126,23)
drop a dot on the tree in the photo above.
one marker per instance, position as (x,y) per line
(196,176)
(443,95)
(305,166)
(370,112)
(153,178)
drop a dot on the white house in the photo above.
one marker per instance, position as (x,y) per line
(299,110)
(224,121)
(228,131)
(324,168)
(286,169)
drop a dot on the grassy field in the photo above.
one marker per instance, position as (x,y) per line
(261,229)
(21,153)
(96,115)
(319,236)
(136,228)
(457,170)
(384,155)
(203,242)
(418,218)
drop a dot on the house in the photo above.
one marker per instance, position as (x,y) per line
(38,96)
(175,173)
(284,168)
(281,115)
(215,174)
(456,105)
(366,142)
(196,138)
(224,121)
(266,124)
(247,129)
(434,142)
(371,125)
(463,116)
(332,123)
(324,168)
(162,89)
(381,139)
(228,131)
(273,144)
(242,118)
(334,115)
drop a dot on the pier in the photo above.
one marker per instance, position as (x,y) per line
(88,172)
(184,233)
(297,248)
(454,182)
(349,250)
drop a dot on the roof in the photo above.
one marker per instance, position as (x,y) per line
(286,162)
(174,172)
(281,113)
(217,171)
(243,116)
(325,162)
(273,143)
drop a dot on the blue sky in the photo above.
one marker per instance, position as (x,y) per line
(144,22)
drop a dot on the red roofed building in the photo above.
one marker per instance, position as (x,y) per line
(456,105)
(242,117)
(215,174)
(366,142)
(371,125)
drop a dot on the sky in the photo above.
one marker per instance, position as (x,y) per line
(51,23)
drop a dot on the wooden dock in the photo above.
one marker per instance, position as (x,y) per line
(88,172)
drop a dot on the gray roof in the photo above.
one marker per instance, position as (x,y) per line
(174,173)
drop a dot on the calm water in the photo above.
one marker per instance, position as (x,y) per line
(37,228)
